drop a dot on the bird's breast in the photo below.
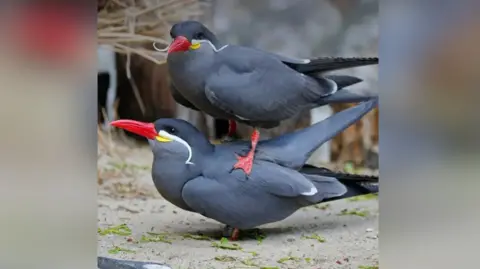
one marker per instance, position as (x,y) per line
(169,184)
(189,76)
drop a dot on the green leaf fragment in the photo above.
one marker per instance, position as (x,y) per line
(225,258)
(225,244)
(322,206)
(354,212)
(119,166)
(349,168)
(367,267)
(156,237)
(197,237)
(260,238)
(121,229)
(365,197)
(248,262)
(116,250)
(286,259)
(316,237)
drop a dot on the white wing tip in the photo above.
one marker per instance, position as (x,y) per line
(311,192)
(333,84)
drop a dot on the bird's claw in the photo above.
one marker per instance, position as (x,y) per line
(227,231)
(245,163)
(234,234)
(230,232)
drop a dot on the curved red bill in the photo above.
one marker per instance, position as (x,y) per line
(140,128)
(180,43)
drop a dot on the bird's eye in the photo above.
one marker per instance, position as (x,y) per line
(199,36)
(170,130)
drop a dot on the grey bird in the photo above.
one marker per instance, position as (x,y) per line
(197,176)
(249,85)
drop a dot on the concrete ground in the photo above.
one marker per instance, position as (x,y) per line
(341,234)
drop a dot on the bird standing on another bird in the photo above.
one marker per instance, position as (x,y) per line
(249,85)
(195,175)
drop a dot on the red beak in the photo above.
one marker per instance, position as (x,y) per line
(180,43)
(140,128)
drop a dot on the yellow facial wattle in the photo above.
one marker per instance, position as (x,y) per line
(195,46)
(162,139)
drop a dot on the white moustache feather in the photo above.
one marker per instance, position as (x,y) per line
(181,141)
(195,41)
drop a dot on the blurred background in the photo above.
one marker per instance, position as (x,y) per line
(303,29)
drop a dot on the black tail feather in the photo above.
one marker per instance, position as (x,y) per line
(327,64)
(355,189)
(347,96)
(356,184)
(322,171)
(344,81)
(343,94)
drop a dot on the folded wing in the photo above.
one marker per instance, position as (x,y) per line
(258,87)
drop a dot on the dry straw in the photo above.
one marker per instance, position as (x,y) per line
(132,26)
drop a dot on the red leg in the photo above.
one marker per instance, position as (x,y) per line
(235,234)
(246,162)
(232,128)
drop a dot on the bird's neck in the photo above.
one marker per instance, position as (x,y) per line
(201,150)
(204,147)
(217,43)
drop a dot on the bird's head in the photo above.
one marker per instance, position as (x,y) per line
(170,138)
(189,35)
